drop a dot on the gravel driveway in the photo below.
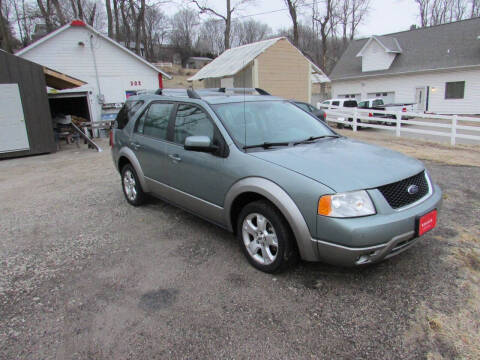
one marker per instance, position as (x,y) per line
(84,275)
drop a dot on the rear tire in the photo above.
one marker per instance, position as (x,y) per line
(131,186)
(265,237)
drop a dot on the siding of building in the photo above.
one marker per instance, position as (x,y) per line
(375,58)
(404,87)
(284,71)
(118,71)
(32,87)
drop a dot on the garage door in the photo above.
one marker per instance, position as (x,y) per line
(13,133)
(388,97)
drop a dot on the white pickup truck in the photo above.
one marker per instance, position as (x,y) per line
(378,104)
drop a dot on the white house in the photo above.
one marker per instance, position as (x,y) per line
(112,72)
(437,68)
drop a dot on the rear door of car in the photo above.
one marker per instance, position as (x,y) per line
(149,137)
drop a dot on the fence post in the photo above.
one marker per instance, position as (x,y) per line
(355,114)
(398,123)
(453,134)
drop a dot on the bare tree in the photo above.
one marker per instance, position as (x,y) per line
(5,30)
(108,7)
(293,6)
(227,17)
(325,27)
(435,12)
(184,32)
(250,31)
(211,37)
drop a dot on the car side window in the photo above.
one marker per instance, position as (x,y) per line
(190,120)
(326,102)
(154,121)
(304,106)
(127,112)
(336,103)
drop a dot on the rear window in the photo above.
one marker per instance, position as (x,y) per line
(126,113)
(350,103)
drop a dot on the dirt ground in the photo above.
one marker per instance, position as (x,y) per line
(84,275)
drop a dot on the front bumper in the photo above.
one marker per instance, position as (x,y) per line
(370,239)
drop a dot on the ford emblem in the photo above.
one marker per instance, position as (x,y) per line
(412,189)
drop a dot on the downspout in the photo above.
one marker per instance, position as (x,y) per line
(100,96)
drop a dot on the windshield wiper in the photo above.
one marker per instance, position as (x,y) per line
(313,138)
(267,145)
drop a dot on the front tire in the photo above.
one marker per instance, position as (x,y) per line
(265,237)
(131,186)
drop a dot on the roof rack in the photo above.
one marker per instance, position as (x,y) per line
(195,94)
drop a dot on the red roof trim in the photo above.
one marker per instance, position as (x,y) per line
(77,23)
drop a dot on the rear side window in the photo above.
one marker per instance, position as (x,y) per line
(154,121)
(191,121)
(303,106)
(377,102)
(350,103)
(129,109)
(363,104)
(335,103)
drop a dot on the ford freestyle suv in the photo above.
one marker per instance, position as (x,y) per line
(282,181)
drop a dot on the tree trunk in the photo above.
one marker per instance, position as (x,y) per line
(293,14)
(45,15)
(108,6)
(81,15)
(59,11)
(6,42)
(91,18)
(74,9)
(138,27)
(117,23)
(228,25)
(125,23)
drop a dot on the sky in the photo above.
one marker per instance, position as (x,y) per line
(385,16)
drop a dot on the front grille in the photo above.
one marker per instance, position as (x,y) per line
(397,194)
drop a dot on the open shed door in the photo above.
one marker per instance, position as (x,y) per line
(13,132)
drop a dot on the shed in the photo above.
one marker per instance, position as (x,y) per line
(274,65)
(112,71)
(25,120)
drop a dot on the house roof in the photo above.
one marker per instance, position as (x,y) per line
(79,23)
(453,45)
(235,59)
(388,43)
(60,81)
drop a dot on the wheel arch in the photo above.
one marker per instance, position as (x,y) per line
(254,188)
(126,155)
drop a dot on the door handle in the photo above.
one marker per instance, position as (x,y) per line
(175,157)
(135,145)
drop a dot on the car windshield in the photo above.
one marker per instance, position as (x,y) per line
(260,122)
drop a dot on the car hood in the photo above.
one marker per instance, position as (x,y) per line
(344,164)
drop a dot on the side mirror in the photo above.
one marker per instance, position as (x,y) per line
(199,143)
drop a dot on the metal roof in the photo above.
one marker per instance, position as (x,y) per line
(446,46)
(234,60)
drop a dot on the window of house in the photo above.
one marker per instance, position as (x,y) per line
(455,90)
(191,121)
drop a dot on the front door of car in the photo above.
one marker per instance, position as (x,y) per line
(148,140)
(195,173)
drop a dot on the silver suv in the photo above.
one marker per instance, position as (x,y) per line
(282,181)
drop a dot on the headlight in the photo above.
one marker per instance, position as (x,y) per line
(350,204)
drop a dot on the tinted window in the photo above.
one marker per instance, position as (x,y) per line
(363,104)
(335,103)
(378,102)
(191,121)
(304,106)
(350,103)
(154,122)
(127,112)
(454,90)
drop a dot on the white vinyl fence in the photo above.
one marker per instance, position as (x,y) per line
(399,122)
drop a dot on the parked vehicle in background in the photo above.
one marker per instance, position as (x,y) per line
(392,109)
(339,104)
(282,181)
(319,113)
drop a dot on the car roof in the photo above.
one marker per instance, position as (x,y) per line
(210,99)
